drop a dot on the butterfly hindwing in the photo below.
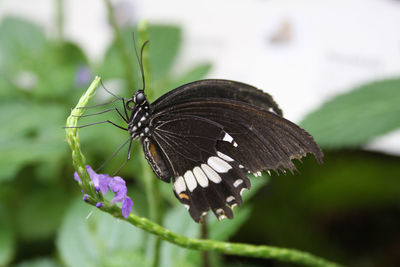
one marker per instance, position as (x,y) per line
(203,177)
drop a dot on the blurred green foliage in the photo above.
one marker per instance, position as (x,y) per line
(354,118)
(43,222)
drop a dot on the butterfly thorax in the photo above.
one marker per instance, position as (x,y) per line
(139,119)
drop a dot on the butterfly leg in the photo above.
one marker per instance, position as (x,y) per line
(102,112)
(99,122)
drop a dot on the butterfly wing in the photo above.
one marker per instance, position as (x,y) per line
(216,88)
(209,145)
(203,177)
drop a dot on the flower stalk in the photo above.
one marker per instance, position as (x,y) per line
(267,252)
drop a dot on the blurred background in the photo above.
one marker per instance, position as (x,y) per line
(332,66)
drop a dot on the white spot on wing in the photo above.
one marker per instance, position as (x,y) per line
(211,174)
(200,177)
(190,180)
(186,206)
(230,199)
(179,185)
(223,156)
(241,191)
(237,182)
(241,166)
(221,217)
(227,138)
(235,144)
(218,164)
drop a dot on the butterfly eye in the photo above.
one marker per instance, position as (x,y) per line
(139,98)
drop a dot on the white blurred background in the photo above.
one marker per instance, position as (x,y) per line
(301,52)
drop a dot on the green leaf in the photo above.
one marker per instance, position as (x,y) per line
(40,70)
(196,73)
(352,119)
(40,211)
(34,135)
(19,60)
(7,238)
(163,49)
(14,35)
(256,184)
(89,237)
(222,230)
(178,220)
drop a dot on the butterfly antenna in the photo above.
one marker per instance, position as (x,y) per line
(106,103)
(140,58)
(141,63)
(108,91)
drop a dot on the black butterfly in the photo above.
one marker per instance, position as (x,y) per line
(206,136)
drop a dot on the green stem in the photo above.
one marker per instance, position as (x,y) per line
(124,54)
(267,252)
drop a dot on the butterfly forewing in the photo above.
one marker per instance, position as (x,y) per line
(216,88)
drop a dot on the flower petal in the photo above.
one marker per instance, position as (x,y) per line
(127,205)
(117,184)
(104,181)
(76,177)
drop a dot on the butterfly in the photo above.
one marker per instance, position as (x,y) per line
(207,136)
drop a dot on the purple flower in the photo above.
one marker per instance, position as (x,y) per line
(85,197)
(103,182)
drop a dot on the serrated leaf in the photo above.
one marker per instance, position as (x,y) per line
(352,119)
(89,237)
